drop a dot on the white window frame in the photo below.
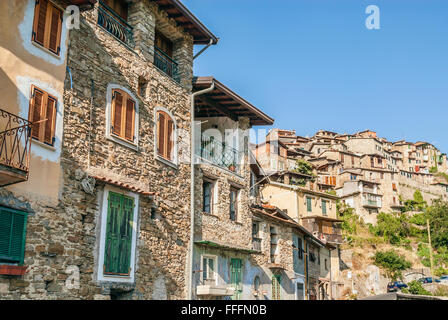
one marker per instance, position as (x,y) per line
(175,162)
(215,263)
(109,135)
(103,225)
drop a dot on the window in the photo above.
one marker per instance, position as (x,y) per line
(120,7)
(123,115)
(43,109)
(119,235)
(207,196)
(324,207)
(233,203)
(164,44)
(318,257)
(257,283)
(12,235)
(273,244)
(308,204)
(47,26)
(165,136)
(394,187)
(326,264)
(209,269)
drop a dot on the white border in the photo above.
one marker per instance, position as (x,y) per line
(103,224)
(174,163)
(109,135)
(39,149)
(26,31)
(215,272)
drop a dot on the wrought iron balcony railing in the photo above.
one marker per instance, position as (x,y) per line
(166,64)
(371,203)
(115,25)
(220,154)
(15,144)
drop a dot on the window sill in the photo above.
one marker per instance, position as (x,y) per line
(43,145)
(54,55)
(167,162)
(11,270)
(210,215)
(124,143)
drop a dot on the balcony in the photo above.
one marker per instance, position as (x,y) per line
(218,153)
(256,244)
(115,25)
(214,290)
(15,145)
(163,62)
(371,203)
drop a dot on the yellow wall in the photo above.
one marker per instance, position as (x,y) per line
(23,64)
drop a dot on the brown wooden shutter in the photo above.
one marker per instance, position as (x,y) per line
(49,124)
(117,110)
(40,19)
(161,134)
(55,30)
(170,137)
(36,110)
(130,117)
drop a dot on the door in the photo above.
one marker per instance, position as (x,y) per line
(276,286)
(300,291)
(235,277)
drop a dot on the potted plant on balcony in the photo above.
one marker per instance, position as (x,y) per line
(232,167)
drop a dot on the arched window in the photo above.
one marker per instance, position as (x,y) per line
(123,115)
(165,136)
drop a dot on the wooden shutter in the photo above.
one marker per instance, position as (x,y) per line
(12,235)
(169,138)
(130,119)
(37,101)
(161,134)
(43,107)
(55,30)
(49,124)
(119,231)
(40,19)
(117,111)
(47,26)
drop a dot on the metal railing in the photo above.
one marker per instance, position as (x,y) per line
(256,244)
(372,203)
(115,25)
(166,64)
(220,154)
(15,141)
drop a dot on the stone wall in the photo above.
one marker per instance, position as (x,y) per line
(62,243)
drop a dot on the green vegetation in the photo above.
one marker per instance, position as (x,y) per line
(394,228)
(304,167)
(443,175)
(392,262)
(415,287)
(433,170)
(417,204)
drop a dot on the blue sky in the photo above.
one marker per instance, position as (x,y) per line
(312,64)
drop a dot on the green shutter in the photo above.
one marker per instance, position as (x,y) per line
(235,277)
(276,287)
(12,235)
(119,230)
(324,207)
(308,204)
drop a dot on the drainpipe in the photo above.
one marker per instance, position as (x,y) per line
(192,185)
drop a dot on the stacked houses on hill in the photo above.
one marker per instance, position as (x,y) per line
(123,176)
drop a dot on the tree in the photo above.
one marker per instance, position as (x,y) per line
(392,262)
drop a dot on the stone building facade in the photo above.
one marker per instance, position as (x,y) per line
(105,220)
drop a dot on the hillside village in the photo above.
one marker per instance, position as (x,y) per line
(119,178)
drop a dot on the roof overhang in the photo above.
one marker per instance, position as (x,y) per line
(185,19)
(223,102)
(222,246)
(322,218)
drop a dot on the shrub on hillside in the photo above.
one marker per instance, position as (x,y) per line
(392,262)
